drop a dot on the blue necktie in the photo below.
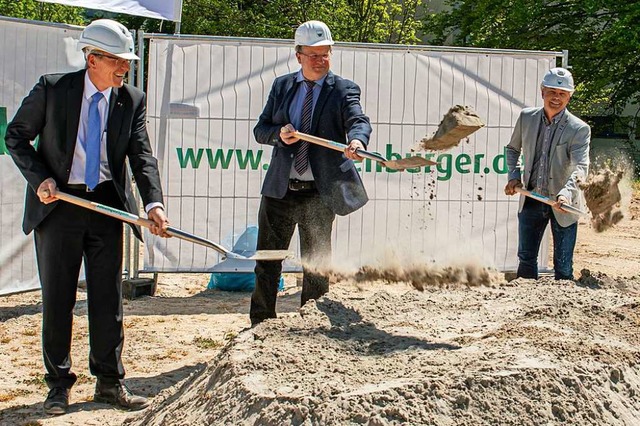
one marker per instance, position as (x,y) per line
(92,148)
(301,162)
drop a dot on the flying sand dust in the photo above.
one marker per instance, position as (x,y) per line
(602,193)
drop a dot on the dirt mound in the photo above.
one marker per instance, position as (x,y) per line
(458,123)
(603,198)
(536,352)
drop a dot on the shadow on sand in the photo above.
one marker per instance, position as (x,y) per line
(145,386)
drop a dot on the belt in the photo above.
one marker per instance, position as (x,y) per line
(84,188)
(302,185)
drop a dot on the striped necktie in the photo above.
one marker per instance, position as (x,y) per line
(301,162)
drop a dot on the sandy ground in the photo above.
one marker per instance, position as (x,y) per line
(525,352)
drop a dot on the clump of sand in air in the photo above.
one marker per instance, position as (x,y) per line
(604,197)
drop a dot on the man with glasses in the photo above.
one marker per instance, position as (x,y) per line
(307,185)
(88,123)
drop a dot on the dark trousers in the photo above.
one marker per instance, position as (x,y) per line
(277,220)
(63,239)
(532,222)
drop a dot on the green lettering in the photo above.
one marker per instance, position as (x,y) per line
(189,158)
(254,161)
(476,162)
(3,130)
(219,157)
(444,166)
(500,162)
(461,161)
(367,165)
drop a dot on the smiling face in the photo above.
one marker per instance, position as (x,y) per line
(106,70)
(315,61)
(555,100)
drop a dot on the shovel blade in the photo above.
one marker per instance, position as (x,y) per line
(408,163)
(262,255)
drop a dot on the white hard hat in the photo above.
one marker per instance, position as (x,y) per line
(558,78)
(313,33)
(108,36)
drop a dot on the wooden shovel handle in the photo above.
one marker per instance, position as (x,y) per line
(547,200)
(337,146)
(106,210)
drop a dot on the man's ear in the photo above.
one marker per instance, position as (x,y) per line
(91,61)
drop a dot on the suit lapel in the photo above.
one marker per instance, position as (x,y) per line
(74,105)
(114,121)
(326,90)
(290,91)
(531,134)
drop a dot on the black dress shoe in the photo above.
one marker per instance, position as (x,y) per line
(57,401)
(119,395)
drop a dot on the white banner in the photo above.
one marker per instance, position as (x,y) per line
(160,9)
(29,50)
(204,98)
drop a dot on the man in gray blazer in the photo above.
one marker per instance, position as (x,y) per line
(554,146)
(307,185)
(88,123)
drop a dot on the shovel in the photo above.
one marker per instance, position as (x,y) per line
(567,208)
(174,232)
(402,164)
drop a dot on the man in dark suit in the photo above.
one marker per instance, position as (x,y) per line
(307,185)
(88,123)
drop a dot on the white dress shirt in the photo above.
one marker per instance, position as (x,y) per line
(79,155)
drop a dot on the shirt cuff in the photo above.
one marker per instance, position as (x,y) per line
(150,206)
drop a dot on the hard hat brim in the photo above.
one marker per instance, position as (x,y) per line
(551,86)
(130,56)
(319,43)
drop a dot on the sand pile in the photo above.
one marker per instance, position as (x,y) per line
(525,353)
(458,123)
(603,197)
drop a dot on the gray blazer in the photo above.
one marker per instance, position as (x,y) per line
(569,157)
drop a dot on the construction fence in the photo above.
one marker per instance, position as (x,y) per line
(204,95)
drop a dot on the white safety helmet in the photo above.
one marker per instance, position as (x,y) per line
(109,36)
(313,33)
(558,78)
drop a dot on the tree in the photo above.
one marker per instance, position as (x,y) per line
(602,36)
(385,21)
(35,10)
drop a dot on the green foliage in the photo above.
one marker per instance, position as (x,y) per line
(47,12)
(602,36)
(385,21)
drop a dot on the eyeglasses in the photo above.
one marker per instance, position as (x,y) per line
(315,57)
(117,61)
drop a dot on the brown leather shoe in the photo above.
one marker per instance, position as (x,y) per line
(57,401)
(119,395)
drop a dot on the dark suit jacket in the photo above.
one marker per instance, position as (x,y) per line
(52,111)
(337,116)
